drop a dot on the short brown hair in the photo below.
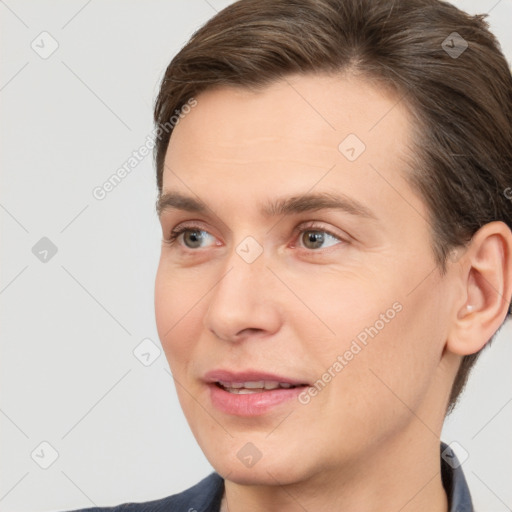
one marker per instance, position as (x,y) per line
(463,103)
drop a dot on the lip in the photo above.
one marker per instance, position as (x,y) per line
(253,404)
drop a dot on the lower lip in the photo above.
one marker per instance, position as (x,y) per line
(251,404)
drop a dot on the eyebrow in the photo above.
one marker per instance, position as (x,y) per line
(281,206)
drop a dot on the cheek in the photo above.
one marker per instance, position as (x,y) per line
(352,306)
(178,313)
(385,343)
(404,344)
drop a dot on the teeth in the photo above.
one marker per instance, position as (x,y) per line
(235,385)
(244,388)
(254,385)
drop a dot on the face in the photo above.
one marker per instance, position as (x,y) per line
(296,286)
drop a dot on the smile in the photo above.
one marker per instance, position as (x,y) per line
(244,388)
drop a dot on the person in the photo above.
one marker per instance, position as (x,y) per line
(337,248)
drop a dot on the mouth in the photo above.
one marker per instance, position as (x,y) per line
(250,387)
(251,393)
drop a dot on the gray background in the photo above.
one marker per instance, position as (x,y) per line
(69,376)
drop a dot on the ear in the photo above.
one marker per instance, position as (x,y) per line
(486,289)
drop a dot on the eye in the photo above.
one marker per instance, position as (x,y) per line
(311,237)
(193,237)
(317,237)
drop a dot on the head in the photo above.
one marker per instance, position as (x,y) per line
(283,108)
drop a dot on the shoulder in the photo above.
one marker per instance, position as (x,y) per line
(205,496)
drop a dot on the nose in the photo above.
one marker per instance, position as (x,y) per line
(244,303)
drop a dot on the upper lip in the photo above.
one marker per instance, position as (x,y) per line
(221,375)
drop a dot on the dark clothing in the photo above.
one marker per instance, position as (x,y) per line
(206,495)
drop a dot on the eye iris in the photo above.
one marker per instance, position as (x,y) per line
(193,238)
(313,239)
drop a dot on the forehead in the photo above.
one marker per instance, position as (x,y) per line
(335,133)
(303,115)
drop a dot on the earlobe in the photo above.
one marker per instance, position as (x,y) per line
(486,287)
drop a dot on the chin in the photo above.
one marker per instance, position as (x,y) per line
(277,470)
(254,476)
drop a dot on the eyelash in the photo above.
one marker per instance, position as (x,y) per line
(175,233)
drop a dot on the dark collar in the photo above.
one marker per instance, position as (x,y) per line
(454,481)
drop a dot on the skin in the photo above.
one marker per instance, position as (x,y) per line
(370,439)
